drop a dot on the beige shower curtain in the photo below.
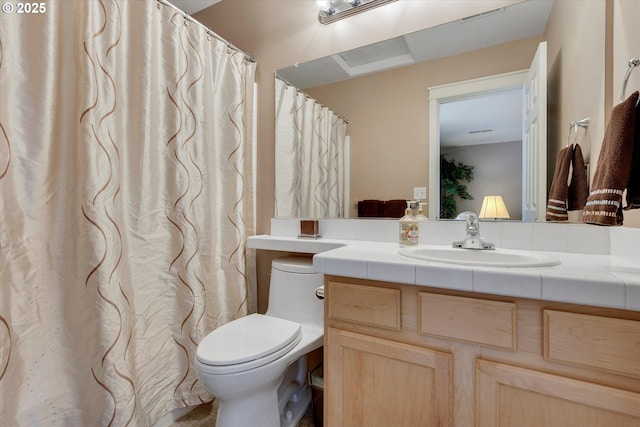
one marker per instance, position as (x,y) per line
(311,149)
(125,201)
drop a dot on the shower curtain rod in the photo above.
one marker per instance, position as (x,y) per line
(285,81)
(207,29)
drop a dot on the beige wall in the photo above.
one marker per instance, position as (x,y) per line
(492,163)
(279,33)
(576,78)
(388,116)
(626,45)
(581,82)
(586,71)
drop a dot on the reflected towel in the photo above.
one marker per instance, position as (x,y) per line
(371,208)
(395,208)
(633,189)
(578,189)
(557,203)
(604,205)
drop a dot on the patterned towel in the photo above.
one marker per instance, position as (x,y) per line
(578,189)
(557,203)
(604,205)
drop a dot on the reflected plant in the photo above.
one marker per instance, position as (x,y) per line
(453,176)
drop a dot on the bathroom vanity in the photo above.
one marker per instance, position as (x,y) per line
(417,343)
(403,355)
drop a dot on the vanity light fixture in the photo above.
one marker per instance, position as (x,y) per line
(493,207)
(334,10)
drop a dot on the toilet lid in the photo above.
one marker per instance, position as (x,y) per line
(247,339)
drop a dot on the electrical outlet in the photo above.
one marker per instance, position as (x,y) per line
(419,193)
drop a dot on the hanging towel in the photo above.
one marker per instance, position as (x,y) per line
(578,190)
(633,189)
(604,205)
(557,203)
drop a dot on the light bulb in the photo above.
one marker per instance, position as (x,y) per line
(323,4)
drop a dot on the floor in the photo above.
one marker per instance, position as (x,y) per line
(205,416)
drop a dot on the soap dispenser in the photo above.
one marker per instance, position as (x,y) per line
(409,232)
(421,216)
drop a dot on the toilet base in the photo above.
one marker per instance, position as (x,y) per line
(256,410)
(295,410)
(273,406)
(260,411)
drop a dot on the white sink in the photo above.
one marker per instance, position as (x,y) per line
(481,258)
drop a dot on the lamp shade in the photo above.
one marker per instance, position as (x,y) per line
(493,207)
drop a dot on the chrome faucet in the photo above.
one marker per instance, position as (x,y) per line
(473,240)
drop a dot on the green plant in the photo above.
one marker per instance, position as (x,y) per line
(452,178)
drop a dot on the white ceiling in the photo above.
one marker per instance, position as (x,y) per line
(193,6)
(480,120)
(487,119)
(516,22)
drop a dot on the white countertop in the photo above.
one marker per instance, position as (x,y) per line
(589,279)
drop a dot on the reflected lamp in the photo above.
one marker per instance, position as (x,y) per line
(493,207)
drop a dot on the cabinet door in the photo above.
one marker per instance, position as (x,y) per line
(376,382)
(518,397)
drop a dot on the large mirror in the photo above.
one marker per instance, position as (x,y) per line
(382,90)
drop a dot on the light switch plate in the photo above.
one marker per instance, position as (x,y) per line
(419,193)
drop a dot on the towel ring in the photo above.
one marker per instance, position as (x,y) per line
(633,62)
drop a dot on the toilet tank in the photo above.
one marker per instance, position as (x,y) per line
(292,290)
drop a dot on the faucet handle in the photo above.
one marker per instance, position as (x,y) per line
(472,223)
(489,246)
(473,239)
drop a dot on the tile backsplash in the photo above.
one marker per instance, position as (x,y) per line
(543,236)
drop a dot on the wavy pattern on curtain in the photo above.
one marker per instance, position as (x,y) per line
(126,188)
(310,157)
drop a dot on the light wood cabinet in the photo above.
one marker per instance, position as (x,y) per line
(400,355)
(514,396)
(474,320)
(382,383)
(596,341)
(366,305)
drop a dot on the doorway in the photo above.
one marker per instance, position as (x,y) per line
(532,83)
(485,131)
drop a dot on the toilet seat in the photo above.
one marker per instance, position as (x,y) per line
(247,343)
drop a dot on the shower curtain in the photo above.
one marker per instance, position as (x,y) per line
(310,157)
(126,192)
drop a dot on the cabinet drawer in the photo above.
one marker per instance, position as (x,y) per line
(367,305)
(595,341)
(485,322)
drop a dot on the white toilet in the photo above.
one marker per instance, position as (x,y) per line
(256,366)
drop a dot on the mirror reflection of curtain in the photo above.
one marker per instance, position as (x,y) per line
(126,194)
(310,156)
